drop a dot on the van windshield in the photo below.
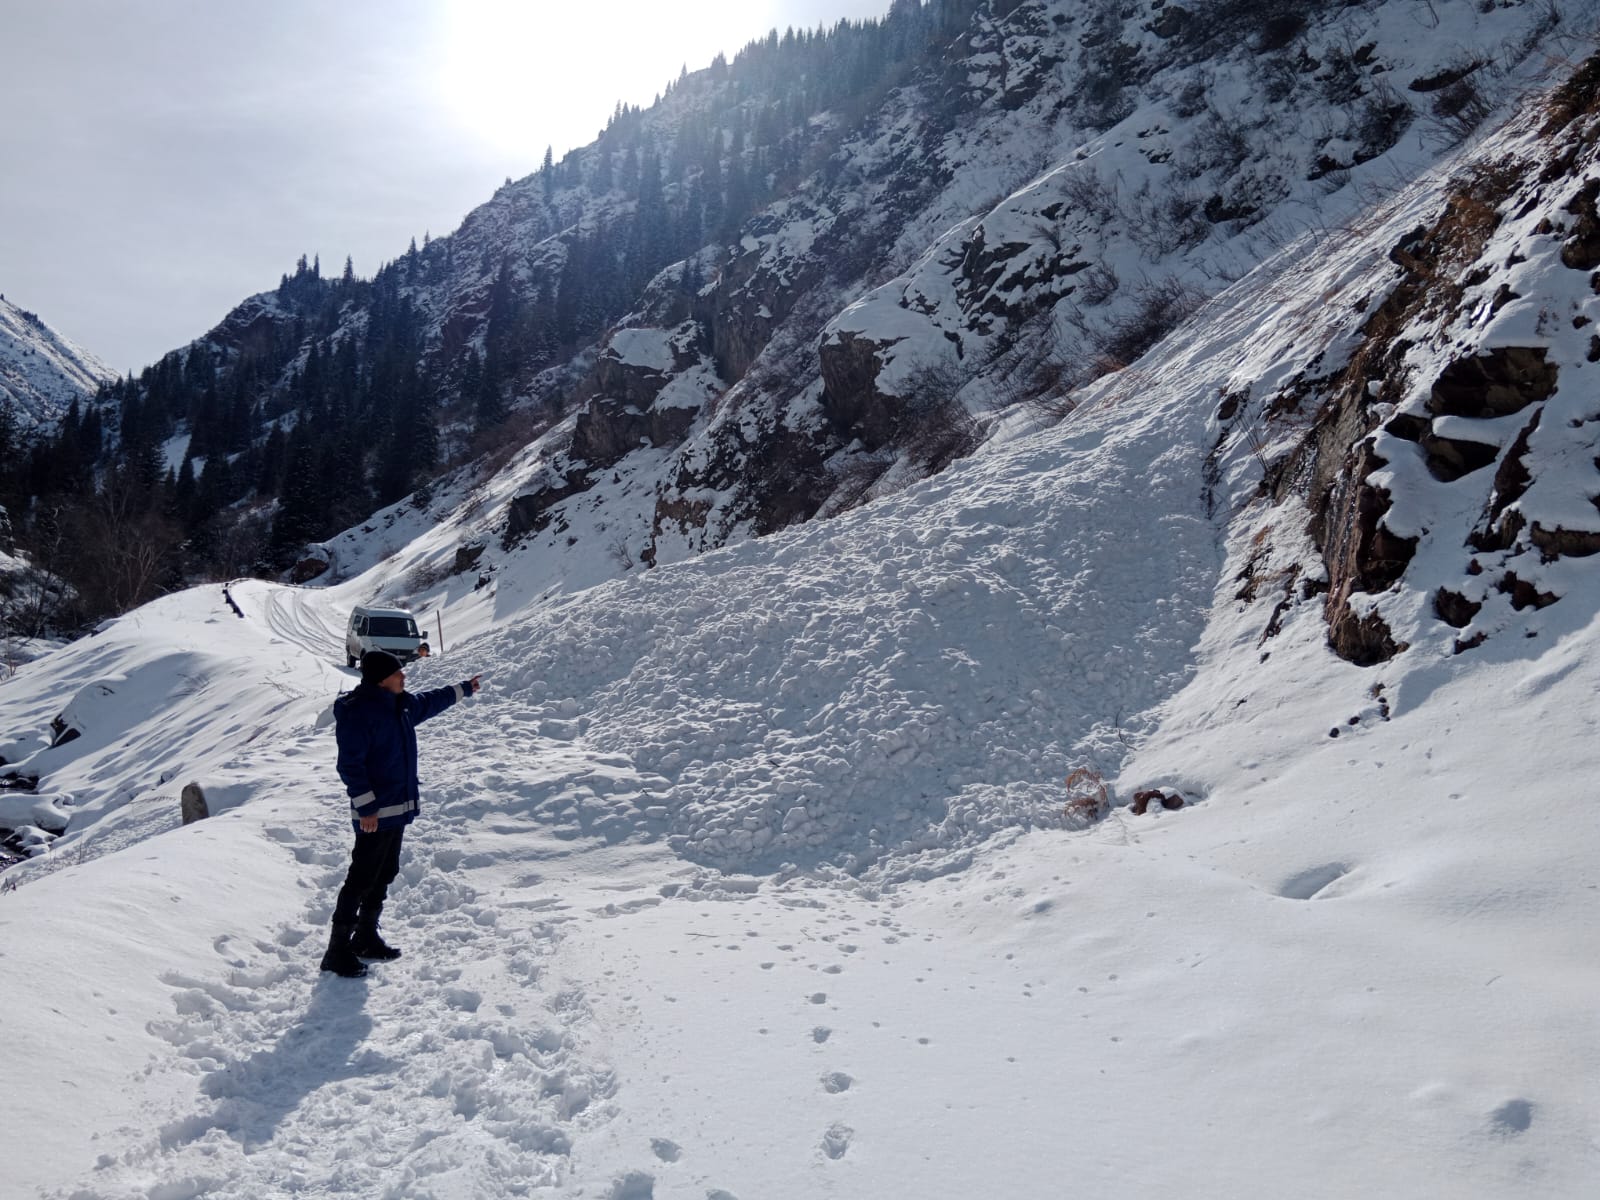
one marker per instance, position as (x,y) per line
(395,627)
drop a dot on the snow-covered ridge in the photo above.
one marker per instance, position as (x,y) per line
(42,372)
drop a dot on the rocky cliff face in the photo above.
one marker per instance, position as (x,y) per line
(1450,463)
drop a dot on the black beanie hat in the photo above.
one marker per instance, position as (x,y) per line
(378,665)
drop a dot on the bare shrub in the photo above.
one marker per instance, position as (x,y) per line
(1034,372)
(1219,143)
(1164,224)
(1045,385)
(935,427)
(424,576)
(1460,109)
(1158,309)
(1084,189)
(1579,95)
(1190,100)
(498,446)
(1098,283)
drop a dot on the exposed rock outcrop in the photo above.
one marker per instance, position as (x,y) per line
(1581,250)
(1362,556)
(1495,383)
(851,363)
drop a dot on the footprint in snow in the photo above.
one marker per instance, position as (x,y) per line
(837,1140)
(835,1082)
(635,1185)
(666,1149)
(1313,881)
(1512,1117)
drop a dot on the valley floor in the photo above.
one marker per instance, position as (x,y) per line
(1336,982)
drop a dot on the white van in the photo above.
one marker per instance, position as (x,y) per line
(391,629)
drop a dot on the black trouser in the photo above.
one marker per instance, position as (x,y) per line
(374,863)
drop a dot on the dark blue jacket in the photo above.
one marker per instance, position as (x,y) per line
(377,736)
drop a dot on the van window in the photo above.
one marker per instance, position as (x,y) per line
(391,627)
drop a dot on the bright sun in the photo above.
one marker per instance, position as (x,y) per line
(522,74)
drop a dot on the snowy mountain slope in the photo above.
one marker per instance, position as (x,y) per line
(863,244)
(41,372)
(1351,965)
(1094,236)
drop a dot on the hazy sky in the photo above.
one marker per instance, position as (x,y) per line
(163,159)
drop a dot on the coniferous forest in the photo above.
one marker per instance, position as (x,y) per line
(310,407)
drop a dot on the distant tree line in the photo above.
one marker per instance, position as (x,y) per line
(306,414)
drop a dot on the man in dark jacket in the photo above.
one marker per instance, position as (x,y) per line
(376,729)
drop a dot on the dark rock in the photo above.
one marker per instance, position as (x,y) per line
(1454,609)
(1524,594)
(1499,529)
(850,396)
(1496,384)
(1408,426)
(1278,31)
(467,557)
(1442,79)
(1448,459)
(192,803)
(530,512)
(1171,801)
(1172,22)
(1564,543)
(1366,642)
(1581,250)
(608,430)
(1366,554)
(1361,556)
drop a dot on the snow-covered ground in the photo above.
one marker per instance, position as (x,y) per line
(754,875)
(1351,966)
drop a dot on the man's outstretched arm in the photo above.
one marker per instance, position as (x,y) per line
(432,703)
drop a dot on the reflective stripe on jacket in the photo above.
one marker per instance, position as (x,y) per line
(376,732)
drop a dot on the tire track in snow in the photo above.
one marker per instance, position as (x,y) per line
(297,615)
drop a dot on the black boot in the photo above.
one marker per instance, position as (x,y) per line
(367,944)
(340,959)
